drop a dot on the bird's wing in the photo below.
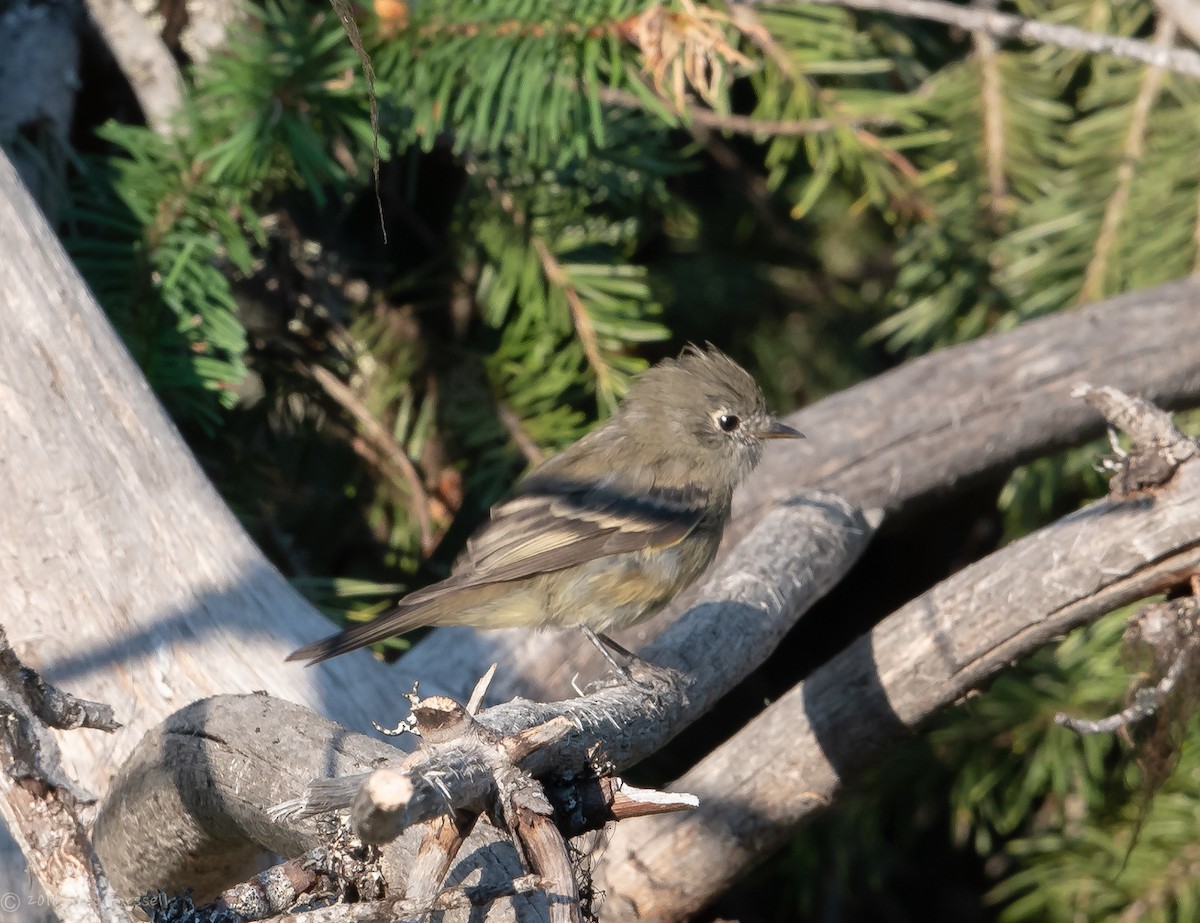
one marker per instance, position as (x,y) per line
(549,526)
(546,527)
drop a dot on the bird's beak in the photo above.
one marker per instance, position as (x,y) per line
(776,430)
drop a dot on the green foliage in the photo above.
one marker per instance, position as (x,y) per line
(282,103)
(553,250)
(158,227)
(509,73)
(148,231)
(1012,762)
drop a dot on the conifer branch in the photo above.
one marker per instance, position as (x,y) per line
(1033,31)
(555,275)
(1131,154)
(992,97)
(383,443)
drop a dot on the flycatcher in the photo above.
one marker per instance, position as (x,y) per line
(604,534)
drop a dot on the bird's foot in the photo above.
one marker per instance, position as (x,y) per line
(625,663)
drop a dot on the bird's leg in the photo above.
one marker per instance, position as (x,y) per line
(607,648)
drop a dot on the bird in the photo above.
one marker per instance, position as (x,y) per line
(606,533)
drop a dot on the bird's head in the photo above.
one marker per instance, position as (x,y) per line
(706,410)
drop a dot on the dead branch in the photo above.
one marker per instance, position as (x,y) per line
(207,600)
(121,602)
(798,754)
(144,59)
(43,807)
(1032,31)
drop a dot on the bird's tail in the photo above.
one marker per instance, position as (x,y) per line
(397,622)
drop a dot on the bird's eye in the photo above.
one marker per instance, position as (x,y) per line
(728,422)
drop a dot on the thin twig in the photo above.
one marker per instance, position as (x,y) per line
(516,432)
(580,318)
(1185,14)
(41,805)
(1145,702)
(378,437)
(1131,154)
(754,187)
(480,690)
(745,124)
(992,97)
(1005,25)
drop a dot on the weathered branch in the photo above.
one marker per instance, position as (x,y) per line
(1035,32)
(798,754)
(43,807)
(144,59)
(148,834)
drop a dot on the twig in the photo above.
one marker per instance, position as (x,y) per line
(378,436)
(275,890)
(1168,628)
(242,900)
(1152,430)
(992,97)
(516,432)
(1131,155)
(62,710)
(1185,14)
(745,124)
(40,803)
(480,690)
(580,318)
(546,853)
(458,898)
(1005,25)
(1145,703)
(442,843)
